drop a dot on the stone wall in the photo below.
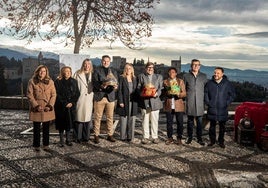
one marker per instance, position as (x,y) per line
(18,103)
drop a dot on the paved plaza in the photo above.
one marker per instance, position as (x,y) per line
(121,164)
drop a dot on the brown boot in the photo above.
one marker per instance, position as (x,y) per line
(178,142)
(46,148)
(111,139)
(169,141)
(96,139)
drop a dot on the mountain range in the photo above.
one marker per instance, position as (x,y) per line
(257,77)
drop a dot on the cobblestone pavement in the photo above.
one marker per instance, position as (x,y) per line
(121,164)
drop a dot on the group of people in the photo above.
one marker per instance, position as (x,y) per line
(68,101)
(72,101)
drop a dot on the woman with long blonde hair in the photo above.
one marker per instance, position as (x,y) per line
(84,106)
(127,106)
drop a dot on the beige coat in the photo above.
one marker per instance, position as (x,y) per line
(84,105)
(44,95)
(179,104)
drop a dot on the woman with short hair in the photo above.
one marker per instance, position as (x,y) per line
(67,96)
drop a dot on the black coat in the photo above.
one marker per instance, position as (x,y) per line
(125,97)
(99,76)
(67,92)
(217,97)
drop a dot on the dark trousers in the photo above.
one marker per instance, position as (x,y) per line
(179,121)
(82,131)
(36,135)
(212,131)
(190,127)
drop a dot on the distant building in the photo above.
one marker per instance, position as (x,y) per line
(40,57)
(176,64)
(118,62)
(28,67)
(162,69)
(30,64)
(12,73)
(138,68)
(159,69)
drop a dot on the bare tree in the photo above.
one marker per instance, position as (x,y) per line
(79,21)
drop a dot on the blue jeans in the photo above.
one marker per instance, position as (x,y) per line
(179,121)
(190,127)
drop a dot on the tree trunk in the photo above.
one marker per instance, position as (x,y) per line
(77,45)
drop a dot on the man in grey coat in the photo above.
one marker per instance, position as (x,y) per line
(195,83)
(150,104)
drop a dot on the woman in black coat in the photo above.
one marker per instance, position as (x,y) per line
(219,93)
(67,96)
(127,106)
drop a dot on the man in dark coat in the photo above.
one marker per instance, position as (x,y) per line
(219,93)
(195,82)
(105,84)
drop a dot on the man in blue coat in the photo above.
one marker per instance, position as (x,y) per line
(219,93)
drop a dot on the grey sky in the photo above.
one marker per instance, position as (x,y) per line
(229,33)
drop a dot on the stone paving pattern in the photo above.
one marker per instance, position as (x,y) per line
(121,164)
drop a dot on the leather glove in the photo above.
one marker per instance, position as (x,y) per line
(48,108)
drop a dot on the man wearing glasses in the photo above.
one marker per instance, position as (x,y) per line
(195,83)
(149,86)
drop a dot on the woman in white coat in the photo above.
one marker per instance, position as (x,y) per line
(85,102)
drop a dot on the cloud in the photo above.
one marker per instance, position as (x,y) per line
(213,11)
(254,35)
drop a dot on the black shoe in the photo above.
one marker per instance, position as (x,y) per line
(37,149)
(84,140)
(68,143)
(211,144)
(188,141)
(96,139)
(111,139)
(222,145)
(61,145)
(201,142)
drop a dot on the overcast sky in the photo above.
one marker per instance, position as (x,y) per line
(228,33)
